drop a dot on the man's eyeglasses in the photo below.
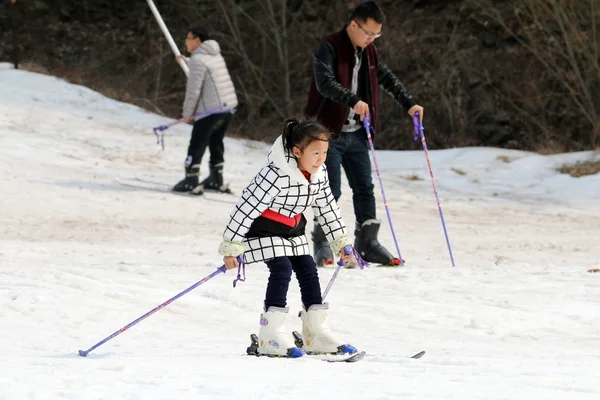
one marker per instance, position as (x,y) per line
(369,34)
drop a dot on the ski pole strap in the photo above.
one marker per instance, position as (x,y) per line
(160,139)
(362,264)
(241,275)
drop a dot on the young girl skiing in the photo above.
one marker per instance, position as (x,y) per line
(267,224)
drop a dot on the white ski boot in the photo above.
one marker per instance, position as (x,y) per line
(316,334)
(273,338)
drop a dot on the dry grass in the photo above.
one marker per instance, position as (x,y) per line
(33,67)
(505,159)
(458,171)
(594,270)
(412,178)
(581,168)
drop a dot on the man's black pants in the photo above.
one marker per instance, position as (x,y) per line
(209,132)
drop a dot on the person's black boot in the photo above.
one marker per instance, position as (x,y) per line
(189,184)
(369,248)
(215,179)
(321,249)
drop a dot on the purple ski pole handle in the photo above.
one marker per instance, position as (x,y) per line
(221,269)
(418,126)
(368,128)
(348,249)
(419,132)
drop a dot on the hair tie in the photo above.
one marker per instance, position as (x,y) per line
(293,123)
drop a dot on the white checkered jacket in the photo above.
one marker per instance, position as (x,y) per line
(281,187)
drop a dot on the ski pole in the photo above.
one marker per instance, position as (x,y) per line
(387,210)
(168,36)
(161,128)
(419,132)
(347,250)
(222,268)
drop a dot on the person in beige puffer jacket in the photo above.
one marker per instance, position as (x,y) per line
(210,101)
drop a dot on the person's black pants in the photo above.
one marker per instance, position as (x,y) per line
(281,273)
(351,152)
(209,132)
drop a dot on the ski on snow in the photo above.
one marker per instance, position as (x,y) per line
(252,350)
(141,183)
(225,188)
(299,342)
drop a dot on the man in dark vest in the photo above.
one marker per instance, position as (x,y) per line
(347,73)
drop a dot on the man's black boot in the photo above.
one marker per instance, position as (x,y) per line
(367,245)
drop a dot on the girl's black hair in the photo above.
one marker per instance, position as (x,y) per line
(301,133)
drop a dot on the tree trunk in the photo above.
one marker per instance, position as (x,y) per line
(14,23)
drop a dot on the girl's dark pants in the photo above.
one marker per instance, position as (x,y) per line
(279,280)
